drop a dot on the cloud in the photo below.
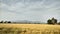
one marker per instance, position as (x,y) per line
(33,10)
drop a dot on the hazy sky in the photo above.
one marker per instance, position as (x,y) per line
(31,10)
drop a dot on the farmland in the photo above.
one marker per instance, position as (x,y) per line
(29,29)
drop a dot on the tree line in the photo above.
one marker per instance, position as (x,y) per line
(49,21)
(5,22)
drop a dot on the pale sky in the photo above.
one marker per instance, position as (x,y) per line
(31,10)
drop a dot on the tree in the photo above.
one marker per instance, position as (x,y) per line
(55,21)
(49,21)
(9,21)
(52,21)
(1,22)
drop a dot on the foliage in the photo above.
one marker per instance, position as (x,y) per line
(5,22)
(52,21)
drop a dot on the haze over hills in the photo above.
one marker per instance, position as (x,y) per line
(24,22)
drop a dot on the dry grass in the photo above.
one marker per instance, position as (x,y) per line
(29,29)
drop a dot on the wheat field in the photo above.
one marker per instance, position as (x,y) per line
(29,29)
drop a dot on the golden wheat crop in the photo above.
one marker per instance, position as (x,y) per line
(29,29)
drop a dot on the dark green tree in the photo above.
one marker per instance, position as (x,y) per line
(52,21)
(1,22)
(49,21)
(9,21)
(55,21)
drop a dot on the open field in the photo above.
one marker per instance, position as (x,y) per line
(29,29)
